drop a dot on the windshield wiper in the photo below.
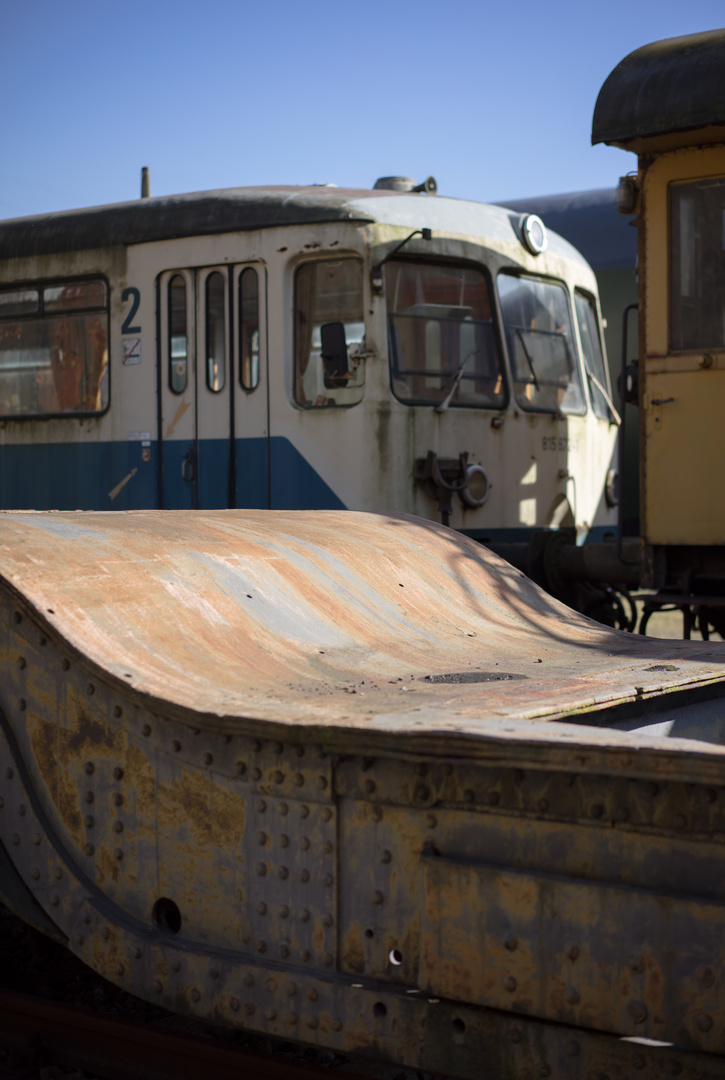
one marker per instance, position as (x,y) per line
(616,418)
(454,383)
(530,361)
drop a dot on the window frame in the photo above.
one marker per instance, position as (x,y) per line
(209,273)
(591,299)
(327,257)
(674,185)
(40,315)
(239,321)
(467,264)
(526,275)
(169,358)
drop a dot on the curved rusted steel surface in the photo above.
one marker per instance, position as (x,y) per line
(315,775)
(330,619)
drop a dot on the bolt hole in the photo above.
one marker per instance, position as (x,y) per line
(167,915)
(379,1009)
(369,933)
(395,957)
(459,1026)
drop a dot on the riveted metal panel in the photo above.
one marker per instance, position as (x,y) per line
(283,774)
(589,953)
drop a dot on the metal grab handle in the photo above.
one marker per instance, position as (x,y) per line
(661,400)
(438,478)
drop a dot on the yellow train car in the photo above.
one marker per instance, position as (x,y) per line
(666,103)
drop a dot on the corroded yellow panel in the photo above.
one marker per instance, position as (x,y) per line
(685,457)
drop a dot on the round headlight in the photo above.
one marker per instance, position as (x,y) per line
(475,493)
(533,234)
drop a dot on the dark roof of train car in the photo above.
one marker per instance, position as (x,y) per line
(167,217)
(669,85)
(208,212)
(588,220)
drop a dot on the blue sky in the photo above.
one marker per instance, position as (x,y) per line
(493,99)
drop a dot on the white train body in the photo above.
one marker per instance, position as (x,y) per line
(136,372)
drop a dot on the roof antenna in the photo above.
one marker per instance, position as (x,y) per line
(145,183)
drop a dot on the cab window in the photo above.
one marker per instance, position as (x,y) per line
(329,333)
(540,342)
(443,348)
(591,343)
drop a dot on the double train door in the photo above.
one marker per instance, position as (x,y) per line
(213,388)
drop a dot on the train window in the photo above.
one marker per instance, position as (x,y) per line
(19,302)
(85,294)
(588,324)
(541,346)
(443,348)
(326,293)
(178,335)
(54,350)
(697,265)
(249,329)
(215,331)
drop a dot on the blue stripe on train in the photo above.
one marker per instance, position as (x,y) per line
(114,476)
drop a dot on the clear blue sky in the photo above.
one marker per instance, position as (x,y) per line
(494,99)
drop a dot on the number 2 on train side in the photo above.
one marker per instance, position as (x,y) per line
(134,296)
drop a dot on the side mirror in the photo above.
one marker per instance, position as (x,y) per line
(334,354)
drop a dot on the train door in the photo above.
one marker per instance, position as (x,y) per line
(213,415)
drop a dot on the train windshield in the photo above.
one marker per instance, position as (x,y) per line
(538,328)
(588,323)
(697,265)
(443,348)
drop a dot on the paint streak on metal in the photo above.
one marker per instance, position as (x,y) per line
(183,407)
(121,485)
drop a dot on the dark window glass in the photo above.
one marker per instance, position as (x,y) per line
(249,329)
(19,302)
(697,265)
(82,294)
(54,363)
(215,326)
(443,346)
(541,346)
(586,317)
(325,293)
(178,334)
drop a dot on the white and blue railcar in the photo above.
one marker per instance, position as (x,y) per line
(306,347)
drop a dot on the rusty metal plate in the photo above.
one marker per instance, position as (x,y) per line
(589,953)
(374,628)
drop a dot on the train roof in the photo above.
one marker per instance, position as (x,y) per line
(204,213)
(590,222)
(670,85)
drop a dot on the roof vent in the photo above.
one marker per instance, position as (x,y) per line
(405,183)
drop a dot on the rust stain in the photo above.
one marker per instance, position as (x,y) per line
(353,949)
(301,618)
